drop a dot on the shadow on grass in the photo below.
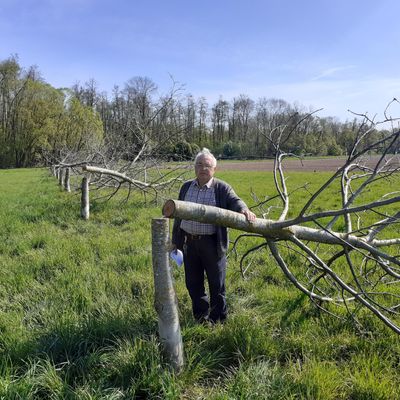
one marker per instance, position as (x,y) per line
(113,354)
(295,313)
(72,343)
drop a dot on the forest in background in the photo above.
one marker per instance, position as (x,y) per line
(39,123)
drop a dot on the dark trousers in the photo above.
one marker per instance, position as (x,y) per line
(200,256)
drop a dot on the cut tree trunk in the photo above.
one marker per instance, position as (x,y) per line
(85,207)
(67,186)
(60,176)
(165,302)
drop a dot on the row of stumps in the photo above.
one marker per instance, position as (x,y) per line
(165,300)
(62,174)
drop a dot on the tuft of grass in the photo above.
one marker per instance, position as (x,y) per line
(372,377)
(315,379)
(260,380)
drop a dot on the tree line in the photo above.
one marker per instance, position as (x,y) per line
(39,122)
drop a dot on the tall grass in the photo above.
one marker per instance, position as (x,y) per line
(77,318)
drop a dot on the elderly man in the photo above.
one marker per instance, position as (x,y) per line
(204,245)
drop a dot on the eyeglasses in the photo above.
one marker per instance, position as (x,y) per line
(204,166)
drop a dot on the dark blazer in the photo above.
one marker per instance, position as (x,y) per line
(225,197)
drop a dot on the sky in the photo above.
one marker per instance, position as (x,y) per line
(337,55)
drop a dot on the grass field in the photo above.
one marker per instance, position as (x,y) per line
(77,319)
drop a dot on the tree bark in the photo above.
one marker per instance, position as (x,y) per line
(60,176)
(165,298)
(268,228)
(220,216)
(67,186)
(85,207)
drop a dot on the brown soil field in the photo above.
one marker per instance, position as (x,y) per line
(306,165)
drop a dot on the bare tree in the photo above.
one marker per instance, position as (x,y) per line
(219,118)
(202,107)
(241,112)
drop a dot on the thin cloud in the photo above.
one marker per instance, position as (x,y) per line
(332,71)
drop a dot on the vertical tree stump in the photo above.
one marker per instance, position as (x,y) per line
(165,301)
(85,208)
(60,176)
(67,186)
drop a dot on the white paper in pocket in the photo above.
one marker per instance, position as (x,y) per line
(177,256)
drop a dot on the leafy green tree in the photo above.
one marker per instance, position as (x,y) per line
(82,126)
(36,118)
(40,111)
(10,93)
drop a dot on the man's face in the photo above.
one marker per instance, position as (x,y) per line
(204,169)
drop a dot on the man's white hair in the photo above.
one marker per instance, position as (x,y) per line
(204,152)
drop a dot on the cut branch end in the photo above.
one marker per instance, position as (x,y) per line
(169,209)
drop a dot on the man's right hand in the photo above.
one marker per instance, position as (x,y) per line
(250,216)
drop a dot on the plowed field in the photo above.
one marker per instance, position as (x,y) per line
(307,165)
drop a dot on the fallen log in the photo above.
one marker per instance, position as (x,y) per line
(287,231)
(266,227)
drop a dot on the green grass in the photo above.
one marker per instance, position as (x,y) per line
(77,319)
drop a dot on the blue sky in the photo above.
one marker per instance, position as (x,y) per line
(330,54)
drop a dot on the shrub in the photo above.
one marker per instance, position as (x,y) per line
(231,149)
(184,150)
(334,149)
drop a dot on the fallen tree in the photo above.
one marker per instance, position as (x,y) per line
(347,256)
(133,159)
(273,232)
(105,176)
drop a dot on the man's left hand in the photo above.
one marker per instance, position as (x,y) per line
(251,217)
